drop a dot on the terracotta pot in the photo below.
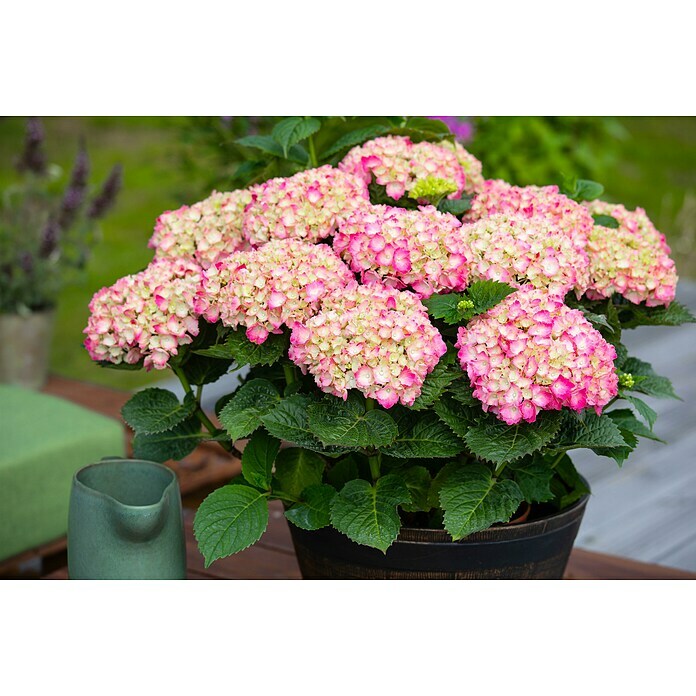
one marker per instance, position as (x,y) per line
(25,345)
(532,550)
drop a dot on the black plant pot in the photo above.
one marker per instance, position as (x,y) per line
(534,550)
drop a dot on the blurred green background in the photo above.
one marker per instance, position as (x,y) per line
(646,161)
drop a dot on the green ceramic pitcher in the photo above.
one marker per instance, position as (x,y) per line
(125,522)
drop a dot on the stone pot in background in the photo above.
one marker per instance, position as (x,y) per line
(25,347)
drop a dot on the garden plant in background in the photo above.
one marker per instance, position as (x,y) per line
(429,344)
(46,236)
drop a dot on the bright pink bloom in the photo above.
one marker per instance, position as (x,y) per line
(397,163)
(517,371)
(206,231)
(275,285)
(372,338)
(147,315)
(632,260)
(419,248)
(308,205)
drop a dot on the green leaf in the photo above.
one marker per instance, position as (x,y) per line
(258,458)
(598,320)
(486,294)
(229,520)
(265,143)
(418,482)
(462,392)
(291,131)
(626,420)
(175,443)
(204,370)
(533,478)
(455,206)
(344,470)
(368,514)
(473,500)
(497,442)
(588,430)
(356,137)
(289,421)
(675,314)
(266,353)
(424,436)
(155,410)
(651,384)
(606,221)
(314,512)
(127,367)
(297,469)
(646,412)
(446,307)
(347,423)
(443,374)
(220,351)
(243,412)
(455,414)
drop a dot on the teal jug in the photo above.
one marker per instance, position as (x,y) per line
(125,523)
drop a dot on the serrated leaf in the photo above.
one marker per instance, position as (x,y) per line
(473,500)
(674,314)
(461,391)
(258,458)
(455,414)
(356,137)
(435,383)
(155,410)
(243,412)
(294,129)
(651,384)
(424,436)
(626,420)
(445,307)
(497,442)
(588,430)
(418,482)
(265,143)
(220,351)
(175,443)
(347,423)
(342,471)
(597,320)
(645,411)
(368,514)
(314,512)
(455,206)
(247,353)
(486,294)
(297,469)
(606,221)
(229,520)
(289,421)
(201,370)
(586,190)
(534,479)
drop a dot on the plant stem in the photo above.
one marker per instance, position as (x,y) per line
(370,404)
(201,415)
(557,459)
(375,461)
(499,470)
(312,152)
(289,372)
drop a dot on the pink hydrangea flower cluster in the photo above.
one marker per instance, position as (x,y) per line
(547,202)
(420,248)
(278,284)
(531,353)
(147,315)
(397,163)
(369,337)
(471,166)
(206,231)
(515,249)
(308,205)
(632,260)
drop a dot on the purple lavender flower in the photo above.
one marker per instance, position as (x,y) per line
(107,196)
(26,262)
(49,239)
(460,127)
(33,158)
(75,193)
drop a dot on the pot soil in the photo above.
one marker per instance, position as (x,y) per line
(533,550)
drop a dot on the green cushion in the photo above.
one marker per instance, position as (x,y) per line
(43,442)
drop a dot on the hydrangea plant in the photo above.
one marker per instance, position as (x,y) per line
(424,347)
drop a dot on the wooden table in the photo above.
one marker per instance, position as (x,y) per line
(273,557)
